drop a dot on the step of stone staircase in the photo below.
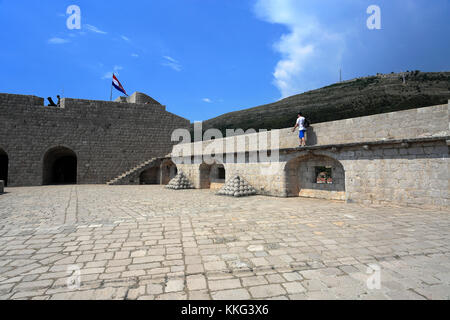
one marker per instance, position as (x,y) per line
(124,178)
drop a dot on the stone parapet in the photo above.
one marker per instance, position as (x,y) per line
(108,138)
(7,99)
(425,122)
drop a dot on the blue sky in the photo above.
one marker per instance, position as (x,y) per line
(203,58)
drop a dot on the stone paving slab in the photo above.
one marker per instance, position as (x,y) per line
(147,242)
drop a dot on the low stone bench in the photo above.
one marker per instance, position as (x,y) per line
(2,186)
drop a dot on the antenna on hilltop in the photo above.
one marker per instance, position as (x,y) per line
(340,75)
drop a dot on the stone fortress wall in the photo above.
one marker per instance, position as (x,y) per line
(392,158)
(399,157)
(409,124)
(101,139)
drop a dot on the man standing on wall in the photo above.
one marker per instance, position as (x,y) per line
(301,129)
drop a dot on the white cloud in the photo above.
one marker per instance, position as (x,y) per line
(170,59)
(171,63)
(125,38)
(57,40)
(207,100)
(94,29)
(309,47)
(135,55)
(109,74)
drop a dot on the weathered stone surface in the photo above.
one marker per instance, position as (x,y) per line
(108,138)
(199,248)
(390,171)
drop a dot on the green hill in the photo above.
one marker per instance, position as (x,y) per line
(348,99)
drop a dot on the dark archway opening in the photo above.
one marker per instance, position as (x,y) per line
(150,176)
(205,171)
(168,171)
(60,166)
(221,173)
(212,176)
(4,164)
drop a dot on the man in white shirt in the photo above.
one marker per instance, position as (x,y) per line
(301,129)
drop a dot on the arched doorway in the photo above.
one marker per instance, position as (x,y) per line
(4,164)
(168,171)
(150,176)
(60,166)
(315,176)
(212,176)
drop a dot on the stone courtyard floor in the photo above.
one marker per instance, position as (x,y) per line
(146,242)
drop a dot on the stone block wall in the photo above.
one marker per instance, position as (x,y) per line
(414,123)
(108,138)
(409,124)
(8,99)
(415,174)
(192,172)
(406,165)
(137,97)
(266,178)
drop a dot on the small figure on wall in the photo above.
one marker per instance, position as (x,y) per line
(302,124)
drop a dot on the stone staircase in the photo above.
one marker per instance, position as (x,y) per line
(132,176)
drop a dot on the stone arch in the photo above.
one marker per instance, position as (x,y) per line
(168,171)
(150,176)
(59,166)
(315,176)
(4,166)
(212,175)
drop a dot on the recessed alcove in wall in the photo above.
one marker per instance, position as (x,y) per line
(315,176)
(212,176)
(168,171)
(4,165)
(60,166)
(150,176)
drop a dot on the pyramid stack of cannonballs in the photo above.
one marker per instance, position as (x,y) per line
(180,182)
(237,187)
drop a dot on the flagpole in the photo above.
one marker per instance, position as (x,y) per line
(110,97)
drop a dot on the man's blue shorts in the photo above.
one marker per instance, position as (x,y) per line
(301,134)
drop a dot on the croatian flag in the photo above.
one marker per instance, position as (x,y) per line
(116,83)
